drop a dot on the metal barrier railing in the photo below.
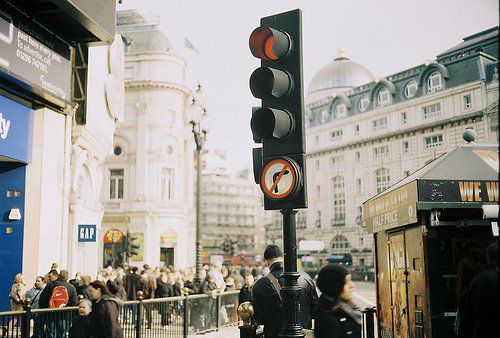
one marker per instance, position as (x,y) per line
(160,317)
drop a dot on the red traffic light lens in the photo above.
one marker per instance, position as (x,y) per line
(269,44)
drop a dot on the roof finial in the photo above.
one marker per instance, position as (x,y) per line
(341,55)
(469,135)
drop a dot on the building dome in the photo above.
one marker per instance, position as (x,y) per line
(337,77)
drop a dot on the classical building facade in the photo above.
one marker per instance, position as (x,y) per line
(366,133)
(148,185)
(231,212)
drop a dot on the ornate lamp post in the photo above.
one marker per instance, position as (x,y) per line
(198,121)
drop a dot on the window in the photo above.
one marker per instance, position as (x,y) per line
(117,151)
(316,164)
(336,135)
(379,124)
(434,82)
(338,201)
(340,244)
(359,215)
(431,111)
(380,152)
(316,140)
(116,184)
(356,129)
(411,89)
(358,185)
(357,156)
(406,147)
(433,141)
(318,219)
(167,184)
(339,111)
(318,191)
(363,103)
(383,98)
(404,118)
(467,101)
(382,179)
(336,160)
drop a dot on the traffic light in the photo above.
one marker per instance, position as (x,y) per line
(279,166)
(131,247)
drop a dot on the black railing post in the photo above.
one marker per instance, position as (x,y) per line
(369,327)
(26,319)
(186,317)
(138,326)
(218,310)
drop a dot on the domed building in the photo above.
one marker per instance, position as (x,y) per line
(364,134)
(337,77)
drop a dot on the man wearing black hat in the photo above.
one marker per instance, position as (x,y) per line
(267,298)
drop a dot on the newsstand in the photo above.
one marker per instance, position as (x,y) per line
(421,227)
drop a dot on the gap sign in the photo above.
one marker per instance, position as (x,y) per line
(86,233)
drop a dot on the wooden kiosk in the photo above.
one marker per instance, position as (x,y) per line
(420,227)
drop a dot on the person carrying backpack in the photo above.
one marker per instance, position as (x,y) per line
(57,294)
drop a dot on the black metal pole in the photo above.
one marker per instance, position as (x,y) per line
(199,248)
(290,292)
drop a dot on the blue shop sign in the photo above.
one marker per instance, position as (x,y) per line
(16,130)
(86,233)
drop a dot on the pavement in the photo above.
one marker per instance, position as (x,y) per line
(225,332)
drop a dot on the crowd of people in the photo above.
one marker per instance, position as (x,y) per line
(100,298)
(335,313)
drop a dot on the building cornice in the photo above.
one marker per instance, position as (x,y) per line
(157,84)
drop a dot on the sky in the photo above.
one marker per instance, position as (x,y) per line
(386,36)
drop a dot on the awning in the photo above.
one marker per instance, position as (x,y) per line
(464,178)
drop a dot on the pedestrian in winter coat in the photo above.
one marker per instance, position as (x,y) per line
(105,310)
(245,294)
(34,293)
(132,284)
(479,315)
(83,286)
(337,316)
(17,293)
(82,327)
(267,299)
(62,280)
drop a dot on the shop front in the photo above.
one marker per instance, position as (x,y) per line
(422,227)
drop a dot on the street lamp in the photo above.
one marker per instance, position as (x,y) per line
(198,120)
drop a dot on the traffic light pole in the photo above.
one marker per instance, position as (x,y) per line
(290,291)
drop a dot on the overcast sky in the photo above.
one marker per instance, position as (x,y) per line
(386,36)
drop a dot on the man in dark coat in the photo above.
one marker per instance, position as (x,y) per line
(267,303)
(479,316)
(62,280)
(132,284)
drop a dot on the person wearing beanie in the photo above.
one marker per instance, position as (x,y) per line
(337,316)
(266,295)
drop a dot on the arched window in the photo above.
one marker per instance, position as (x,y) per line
(411,89)
(340,244)
(382,179)
(363,103)
(383,97)
(434,82)
(338,201)
(339,111)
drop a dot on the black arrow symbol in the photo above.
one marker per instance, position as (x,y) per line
(274,179)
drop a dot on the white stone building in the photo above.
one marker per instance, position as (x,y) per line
(365,134)
(148,184)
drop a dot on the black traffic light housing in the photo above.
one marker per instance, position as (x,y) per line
(131,248)
(279,123)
